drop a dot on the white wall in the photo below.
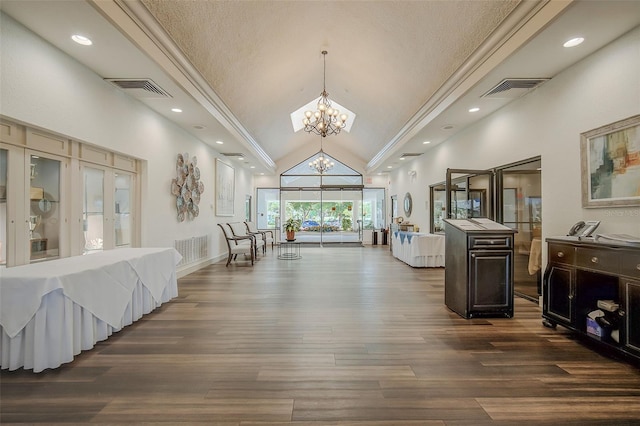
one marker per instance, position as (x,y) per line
(43,87)
(601,89)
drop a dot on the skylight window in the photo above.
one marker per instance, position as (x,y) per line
(298,115)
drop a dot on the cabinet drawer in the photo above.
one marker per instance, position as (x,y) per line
(631,264)
(491,242)
(606,261)
(560,253)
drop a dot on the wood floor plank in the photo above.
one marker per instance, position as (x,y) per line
(344,336)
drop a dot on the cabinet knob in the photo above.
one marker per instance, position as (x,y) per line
(594,259)
(560,254)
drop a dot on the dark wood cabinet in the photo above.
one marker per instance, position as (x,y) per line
(632,314)
(579,273)
(479,268)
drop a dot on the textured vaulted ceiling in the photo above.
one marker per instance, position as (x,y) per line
(385,59)
(410,70)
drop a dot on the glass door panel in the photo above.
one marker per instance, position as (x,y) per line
(303,205)
(44,207)
(268,208)
(3,206)
(93,217)
(373,209)
(521,209)
(342,216)
(123,200)
(470,195)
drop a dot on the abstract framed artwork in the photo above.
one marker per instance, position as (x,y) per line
(610,164)
(225,188)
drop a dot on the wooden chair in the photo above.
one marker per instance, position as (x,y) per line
(237,245)
(240,230)
(267,236)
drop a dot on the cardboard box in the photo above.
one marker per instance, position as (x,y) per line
(594,330)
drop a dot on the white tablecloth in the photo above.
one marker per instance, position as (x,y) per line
(419,249)
(51,311)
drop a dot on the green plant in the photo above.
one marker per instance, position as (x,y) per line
(292,225)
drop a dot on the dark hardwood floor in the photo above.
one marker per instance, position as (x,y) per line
(346,336)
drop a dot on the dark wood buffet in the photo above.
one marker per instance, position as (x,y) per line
(582,272)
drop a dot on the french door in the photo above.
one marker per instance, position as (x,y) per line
(106,208)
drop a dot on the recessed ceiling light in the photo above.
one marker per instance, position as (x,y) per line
(402,158)
(389,167)
(426,142)
(252,167)
(240,158)
(261,174)
(573,42)
(176,110)
(474,109)
(85,41)
(219,142)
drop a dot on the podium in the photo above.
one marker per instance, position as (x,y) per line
(479,268)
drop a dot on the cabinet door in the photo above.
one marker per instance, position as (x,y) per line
(559,294)
(632,317)
(490,280)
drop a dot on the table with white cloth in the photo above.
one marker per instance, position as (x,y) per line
(419,249)
(51,311)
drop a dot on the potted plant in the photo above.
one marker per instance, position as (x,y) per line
(291,226)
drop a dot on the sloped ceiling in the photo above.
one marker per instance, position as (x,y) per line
(410,70)
(385,59)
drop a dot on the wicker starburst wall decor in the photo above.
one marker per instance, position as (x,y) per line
(187,187)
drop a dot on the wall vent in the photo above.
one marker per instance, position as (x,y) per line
(192,249)
(141,88)
(511,88)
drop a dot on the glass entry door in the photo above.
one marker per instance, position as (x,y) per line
(326,216)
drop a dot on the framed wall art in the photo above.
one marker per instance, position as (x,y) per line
(225,188)
(610,160)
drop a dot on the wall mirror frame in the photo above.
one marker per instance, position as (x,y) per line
(408,204)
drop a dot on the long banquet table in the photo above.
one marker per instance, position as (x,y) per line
(51,311)
(419,249)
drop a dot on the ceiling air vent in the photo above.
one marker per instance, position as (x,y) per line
(511,88)
(233,154)
(411,154)
(141,88)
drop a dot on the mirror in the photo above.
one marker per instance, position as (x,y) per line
(408,204)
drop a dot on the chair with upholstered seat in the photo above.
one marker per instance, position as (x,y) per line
(267,236)
(237,245)
(240,230)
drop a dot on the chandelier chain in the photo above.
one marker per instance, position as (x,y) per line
(325,120)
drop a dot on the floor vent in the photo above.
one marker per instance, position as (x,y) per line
(193,249)
(511,88)
(140,88)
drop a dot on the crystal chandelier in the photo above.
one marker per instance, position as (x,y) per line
(325,120)
(321,164)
